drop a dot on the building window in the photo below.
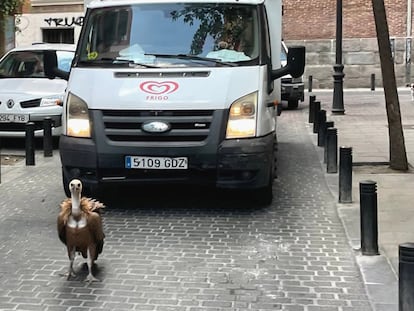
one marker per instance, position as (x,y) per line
(58,35)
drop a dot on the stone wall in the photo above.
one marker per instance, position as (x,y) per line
(360,58)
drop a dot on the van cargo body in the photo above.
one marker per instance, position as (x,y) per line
(175,92)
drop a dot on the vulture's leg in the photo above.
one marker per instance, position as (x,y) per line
(91,257)
(72,254)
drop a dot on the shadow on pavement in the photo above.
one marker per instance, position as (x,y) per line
(184,198)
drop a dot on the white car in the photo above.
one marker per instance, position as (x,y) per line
(26,94)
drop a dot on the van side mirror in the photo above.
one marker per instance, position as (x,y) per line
(295,63)
(50,65)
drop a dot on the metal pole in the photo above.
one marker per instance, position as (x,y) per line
(47,137)
(0,160)
(406,277)
(312,99)
(332,152)
(310,83)
(408,60)
(317,122)
(321,127)
(325,151)
(345,174)
(373,82)
(317,108)
(338,98)
(369,217)
(29,142)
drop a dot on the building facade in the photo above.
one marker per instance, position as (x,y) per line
(53,21)
(313,23)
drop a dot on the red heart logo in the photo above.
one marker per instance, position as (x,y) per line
(158,88)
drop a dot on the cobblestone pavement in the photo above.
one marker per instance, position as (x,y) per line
(185,249)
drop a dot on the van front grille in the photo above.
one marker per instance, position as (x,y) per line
(185,125)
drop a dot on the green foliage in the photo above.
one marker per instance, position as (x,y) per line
(213,22)
(9,7)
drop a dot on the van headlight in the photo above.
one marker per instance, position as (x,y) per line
(242,117)
(78,124)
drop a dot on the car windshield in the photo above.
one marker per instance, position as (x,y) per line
(29,64)
(171,34)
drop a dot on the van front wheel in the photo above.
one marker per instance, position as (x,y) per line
(293,103)
(65,182)
(264,196)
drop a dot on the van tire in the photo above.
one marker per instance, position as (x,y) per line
(86,191)
(293,104)
(264,196)
(65,182)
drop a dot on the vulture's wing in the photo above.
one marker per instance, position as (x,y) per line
(61,228)
(96,230)
(65,208)
(91,205)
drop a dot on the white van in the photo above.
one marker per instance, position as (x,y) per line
(176,92)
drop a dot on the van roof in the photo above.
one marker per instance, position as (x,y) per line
(106,3)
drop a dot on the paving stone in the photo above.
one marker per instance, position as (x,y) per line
(188,249)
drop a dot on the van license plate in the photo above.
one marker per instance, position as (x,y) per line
(13,118)
(156,163)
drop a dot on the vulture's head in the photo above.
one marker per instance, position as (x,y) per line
(75,186)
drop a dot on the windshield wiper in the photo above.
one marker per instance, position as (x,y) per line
(117,61)
(193,57)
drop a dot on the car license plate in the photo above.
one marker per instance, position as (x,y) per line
(157,163)
(13,118)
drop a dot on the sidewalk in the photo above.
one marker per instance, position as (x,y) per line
(364,127)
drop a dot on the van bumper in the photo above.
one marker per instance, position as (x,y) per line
(237,164)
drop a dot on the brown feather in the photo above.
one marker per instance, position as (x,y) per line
(79,238)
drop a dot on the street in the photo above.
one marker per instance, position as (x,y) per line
(185,248)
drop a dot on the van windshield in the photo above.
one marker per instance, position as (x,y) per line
(171,35)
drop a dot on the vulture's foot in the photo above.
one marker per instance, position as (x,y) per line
(90,278)
(68,275)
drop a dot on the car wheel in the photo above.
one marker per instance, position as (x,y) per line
(293,103)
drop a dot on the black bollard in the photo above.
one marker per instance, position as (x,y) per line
(321,127)
(47,137)
(317,108)
(406,277)
(312,99)
(369,217)
(332,150)
(345,174)
(310,83)
(373,82)
(0,160)
(328,124)
(30,141)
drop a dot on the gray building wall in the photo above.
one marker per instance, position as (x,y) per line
(360,58)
